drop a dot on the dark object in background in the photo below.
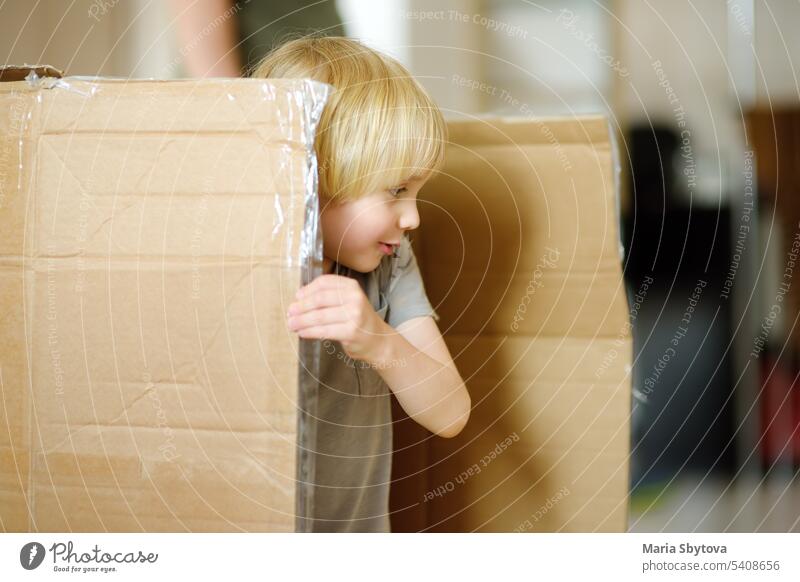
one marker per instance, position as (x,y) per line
(263,23)
(652,150)
(683,405)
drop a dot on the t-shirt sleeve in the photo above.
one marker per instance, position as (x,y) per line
(406,295)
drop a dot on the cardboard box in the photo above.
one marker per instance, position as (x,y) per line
(519,249)
(152,235)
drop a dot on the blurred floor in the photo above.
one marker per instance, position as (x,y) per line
(710,505)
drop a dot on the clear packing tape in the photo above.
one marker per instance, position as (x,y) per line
(152,235)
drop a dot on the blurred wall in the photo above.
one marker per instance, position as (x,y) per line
(89,37)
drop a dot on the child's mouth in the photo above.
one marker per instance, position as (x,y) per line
(386,248)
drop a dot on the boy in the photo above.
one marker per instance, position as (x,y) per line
(379,139)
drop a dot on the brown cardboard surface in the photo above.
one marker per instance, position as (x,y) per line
(520,254)
(150,241)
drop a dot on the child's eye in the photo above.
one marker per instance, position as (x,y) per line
(397,191)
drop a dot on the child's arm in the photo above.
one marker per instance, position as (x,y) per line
(213,22)
(417,366)
(413,360)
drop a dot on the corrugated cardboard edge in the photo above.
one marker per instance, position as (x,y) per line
(11,73)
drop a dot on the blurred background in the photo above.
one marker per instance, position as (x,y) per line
(705,101)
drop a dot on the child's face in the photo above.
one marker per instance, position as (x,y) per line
(353,232)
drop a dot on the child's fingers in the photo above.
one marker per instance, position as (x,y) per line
(326,282)
(317,317)
(319,299)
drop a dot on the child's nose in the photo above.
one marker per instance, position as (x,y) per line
(409,217)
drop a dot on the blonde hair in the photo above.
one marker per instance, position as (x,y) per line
(379,127)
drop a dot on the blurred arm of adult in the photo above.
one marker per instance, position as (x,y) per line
(208,37)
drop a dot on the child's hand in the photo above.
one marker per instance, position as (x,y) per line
(335,307)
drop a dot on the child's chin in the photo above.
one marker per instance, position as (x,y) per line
(363,265)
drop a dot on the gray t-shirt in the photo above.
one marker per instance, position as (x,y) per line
(354,430)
